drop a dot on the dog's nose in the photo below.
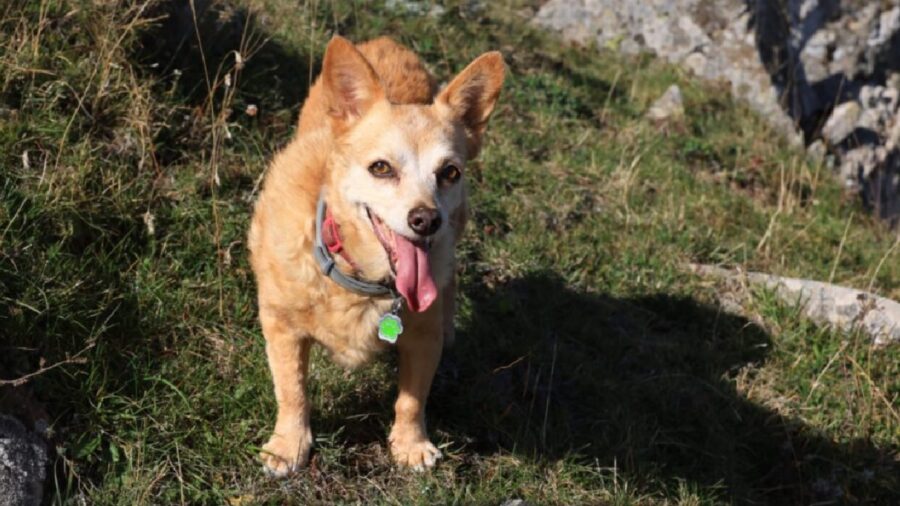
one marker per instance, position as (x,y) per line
(424,220)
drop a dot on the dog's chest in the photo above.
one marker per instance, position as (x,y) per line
(350,331)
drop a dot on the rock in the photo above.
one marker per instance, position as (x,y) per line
(817,151)
(845,308)
(888,25)
(712,39)
(841,122)
(23,464)
(814,55)
(790,61)
(893,137)
(416,8)
(856,166)
(697,63)
(879,104)
(893,80)
(514,502)
(670,106)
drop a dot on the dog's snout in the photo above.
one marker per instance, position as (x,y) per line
(424,220)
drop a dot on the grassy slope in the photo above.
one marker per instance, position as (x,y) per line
(590,366)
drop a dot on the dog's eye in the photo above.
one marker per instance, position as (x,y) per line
(381,169)
(449,174)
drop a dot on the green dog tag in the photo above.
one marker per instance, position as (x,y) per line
(389,328)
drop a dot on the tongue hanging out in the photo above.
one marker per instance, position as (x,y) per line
(414,281)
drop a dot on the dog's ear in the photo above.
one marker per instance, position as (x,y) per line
(351,85)
(471,96)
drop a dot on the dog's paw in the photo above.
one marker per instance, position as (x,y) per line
(415,452)
(286,453)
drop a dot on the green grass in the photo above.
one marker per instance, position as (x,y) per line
(590,367)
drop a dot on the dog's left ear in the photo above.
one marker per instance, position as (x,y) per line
(351,84)
(471,96)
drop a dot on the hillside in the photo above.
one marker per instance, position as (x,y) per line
(591,367)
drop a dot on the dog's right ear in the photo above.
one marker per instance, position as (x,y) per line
(351,85)
(470,96)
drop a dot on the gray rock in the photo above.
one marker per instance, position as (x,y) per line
(815,55)
(817,151)
(514,502)
(893,137)
(23,464)
(888,25)
(824,303)
(841,122)
(709,37)
(789,60)
(670,106)
(879,104)
(416,8)
(893,80)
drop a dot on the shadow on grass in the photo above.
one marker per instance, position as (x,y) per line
(188,54)
(545,372)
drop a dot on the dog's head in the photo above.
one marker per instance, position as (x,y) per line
(398,169)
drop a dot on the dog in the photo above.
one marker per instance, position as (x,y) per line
(353,234)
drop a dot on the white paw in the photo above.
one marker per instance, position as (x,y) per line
(286,453)
(417,454)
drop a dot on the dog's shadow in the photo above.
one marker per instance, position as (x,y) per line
(640,384)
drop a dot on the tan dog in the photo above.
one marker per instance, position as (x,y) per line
(374,177)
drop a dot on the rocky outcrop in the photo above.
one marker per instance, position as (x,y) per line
(793,61)
(23,464)
(713,38)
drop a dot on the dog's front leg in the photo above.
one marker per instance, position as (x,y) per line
(288,448)
(419,353)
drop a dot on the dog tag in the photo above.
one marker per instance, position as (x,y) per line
(389,328)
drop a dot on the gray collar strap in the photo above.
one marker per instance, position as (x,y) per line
(328,267)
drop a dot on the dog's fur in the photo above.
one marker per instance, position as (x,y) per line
(374,101)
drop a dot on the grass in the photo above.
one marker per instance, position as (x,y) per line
(591,367)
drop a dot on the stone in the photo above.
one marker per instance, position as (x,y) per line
(856,165)
(697,63)
(416,8)
(893,136)
(888,25)
(790,61)
(670,106)
(23,464)
(841,122)
(844,308)
(817,151)
(893,80)
(815,55)
(712,39)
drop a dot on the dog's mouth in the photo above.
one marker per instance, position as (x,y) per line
(409,264)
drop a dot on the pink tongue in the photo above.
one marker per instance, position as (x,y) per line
(414,281)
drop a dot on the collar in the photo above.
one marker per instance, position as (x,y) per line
(328,241)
